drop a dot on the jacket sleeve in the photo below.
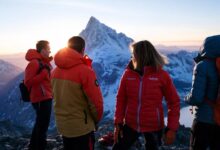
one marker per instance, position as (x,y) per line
(197,93)
(31,77)
(173,104)
(92,90)
(121,101)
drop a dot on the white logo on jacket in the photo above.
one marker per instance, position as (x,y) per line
(153,78)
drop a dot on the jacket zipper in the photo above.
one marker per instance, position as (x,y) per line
(126,110)
(158,117)
(139,104)
(42,90)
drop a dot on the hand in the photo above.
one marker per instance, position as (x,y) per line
(169,137)
(118,132)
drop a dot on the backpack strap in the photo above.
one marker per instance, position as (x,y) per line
(41,66)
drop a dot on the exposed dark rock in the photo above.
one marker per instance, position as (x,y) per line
(17,138)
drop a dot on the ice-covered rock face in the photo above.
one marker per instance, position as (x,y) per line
(110,53)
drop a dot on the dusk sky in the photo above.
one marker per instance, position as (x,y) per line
(167,22)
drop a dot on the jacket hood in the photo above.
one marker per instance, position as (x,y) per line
(33,54)
(211,47)
(67,58)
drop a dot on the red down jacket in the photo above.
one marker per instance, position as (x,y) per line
(78,102)
(38,83)
(139,100)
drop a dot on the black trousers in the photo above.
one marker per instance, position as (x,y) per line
(204,135)
(39,132)
(152,139)
(85,142)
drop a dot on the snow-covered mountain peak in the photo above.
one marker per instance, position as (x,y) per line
(93,22)
(99,37)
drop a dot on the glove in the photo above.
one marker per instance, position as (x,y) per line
(118,132)
(169,137)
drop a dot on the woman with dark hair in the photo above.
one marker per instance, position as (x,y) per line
(139,108)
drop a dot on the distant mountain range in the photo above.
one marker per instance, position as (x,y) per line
(110,53)
(7,73)
(15,59)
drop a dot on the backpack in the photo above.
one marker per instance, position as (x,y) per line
(25,93)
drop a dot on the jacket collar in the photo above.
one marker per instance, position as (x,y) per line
(67,58)
(147,69)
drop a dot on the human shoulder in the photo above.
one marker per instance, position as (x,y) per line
(86,70)
(164,76)
(163,72)
(126,73)
(210,67)
(33,63)
(202,66)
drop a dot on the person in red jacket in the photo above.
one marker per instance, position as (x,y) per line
(37,79)
(78,101)
(139,106)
